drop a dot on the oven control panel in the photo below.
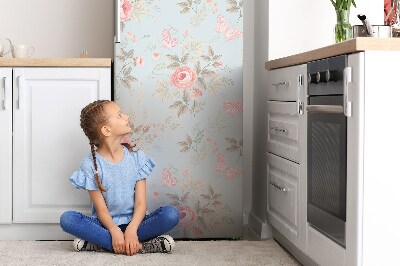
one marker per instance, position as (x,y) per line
(325,76)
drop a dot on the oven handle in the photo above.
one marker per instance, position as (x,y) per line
(335,109)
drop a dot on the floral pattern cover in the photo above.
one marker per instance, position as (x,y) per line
(178,74)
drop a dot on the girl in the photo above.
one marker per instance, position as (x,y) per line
(115,177)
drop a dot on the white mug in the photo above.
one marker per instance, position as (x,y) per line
(2,46)
(22,51)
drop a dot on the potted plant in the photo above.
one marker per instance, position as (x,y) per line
(343,29)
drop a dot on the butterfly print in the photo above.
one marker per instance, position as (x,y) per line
(168,41)
(223,27)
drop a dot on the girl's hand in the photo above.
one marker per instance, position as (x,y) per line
(118,241)
(132,244)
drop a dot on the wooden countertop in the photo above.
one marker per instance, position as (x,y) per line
(348,47)
(55,62)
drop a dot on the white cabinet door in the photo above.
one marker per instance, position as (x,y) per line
(283,130)
(5,146)
(48,141)
(283,196)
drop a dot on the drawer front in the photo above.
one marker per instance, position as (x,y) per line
(283,83)
(283,130)
(283,196)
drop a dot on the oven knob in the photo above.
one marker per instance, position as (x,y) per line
(333,76)
(324,76)
(314,78)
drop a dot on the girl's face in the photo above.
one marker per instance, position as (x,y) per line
(118,123)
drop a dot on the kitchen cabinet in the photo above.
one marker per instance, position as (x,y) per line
(285,124)
(42,144)
(371,108)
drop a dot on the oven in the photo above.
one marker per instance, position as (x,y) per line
(327,148)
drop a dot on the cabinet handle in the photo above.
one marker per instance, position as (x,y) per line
(5,93)
(286,83)
(280,129)
(279,187)
(20,88)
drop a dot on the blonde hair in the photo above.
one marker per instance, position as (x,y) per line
(93,117)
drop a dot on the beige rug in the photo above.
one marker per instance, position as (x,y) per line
(241,252)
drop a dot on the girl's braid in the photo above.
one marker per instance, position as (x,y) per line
(96,173)
(92,119)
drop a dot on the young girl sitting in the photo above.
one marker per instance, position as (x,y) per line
(115,177)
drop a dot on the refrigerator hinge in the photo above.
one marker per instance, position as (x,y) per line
(300,107)
(300,104)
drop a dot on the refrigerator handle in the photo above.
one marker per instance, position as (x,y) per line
(117,21)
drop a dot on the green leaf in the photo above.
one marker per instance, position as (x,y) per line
(173,196)
(176,105)
(185,197)
(185,59)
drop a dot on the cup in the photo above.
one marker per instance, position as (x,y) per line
(21,50)
(2,53)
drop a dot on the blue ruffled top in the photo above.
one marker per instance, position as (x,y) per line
(118,178)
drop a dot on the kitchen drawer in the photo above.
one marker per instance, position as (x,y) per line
(283,130)
(284,83)
(283,196)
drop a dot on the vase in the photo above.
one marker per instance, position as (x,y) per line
(343,30)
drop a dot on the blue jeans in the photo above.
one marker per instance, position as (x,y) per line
(90,229)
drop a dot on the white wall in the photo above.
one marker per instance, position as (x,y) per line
(60,28)
(301,25)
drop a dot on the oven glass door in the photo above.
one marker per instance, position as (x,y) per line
(327,166)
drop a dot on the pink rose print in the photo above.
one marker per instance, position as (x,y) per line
(126,10)
(233,108)
(168,179)
(183,78)
(139,61)
(156,56)
(168,41)
(197,93)
(187,216)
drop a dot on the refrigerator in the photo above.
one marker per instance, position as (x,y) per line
(177,72)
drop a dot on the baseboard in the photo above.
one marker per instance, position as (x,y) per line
(33,232)
(260,228)
(292,249)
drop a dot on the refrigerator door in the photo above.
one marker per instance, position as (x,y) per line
(178,74)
